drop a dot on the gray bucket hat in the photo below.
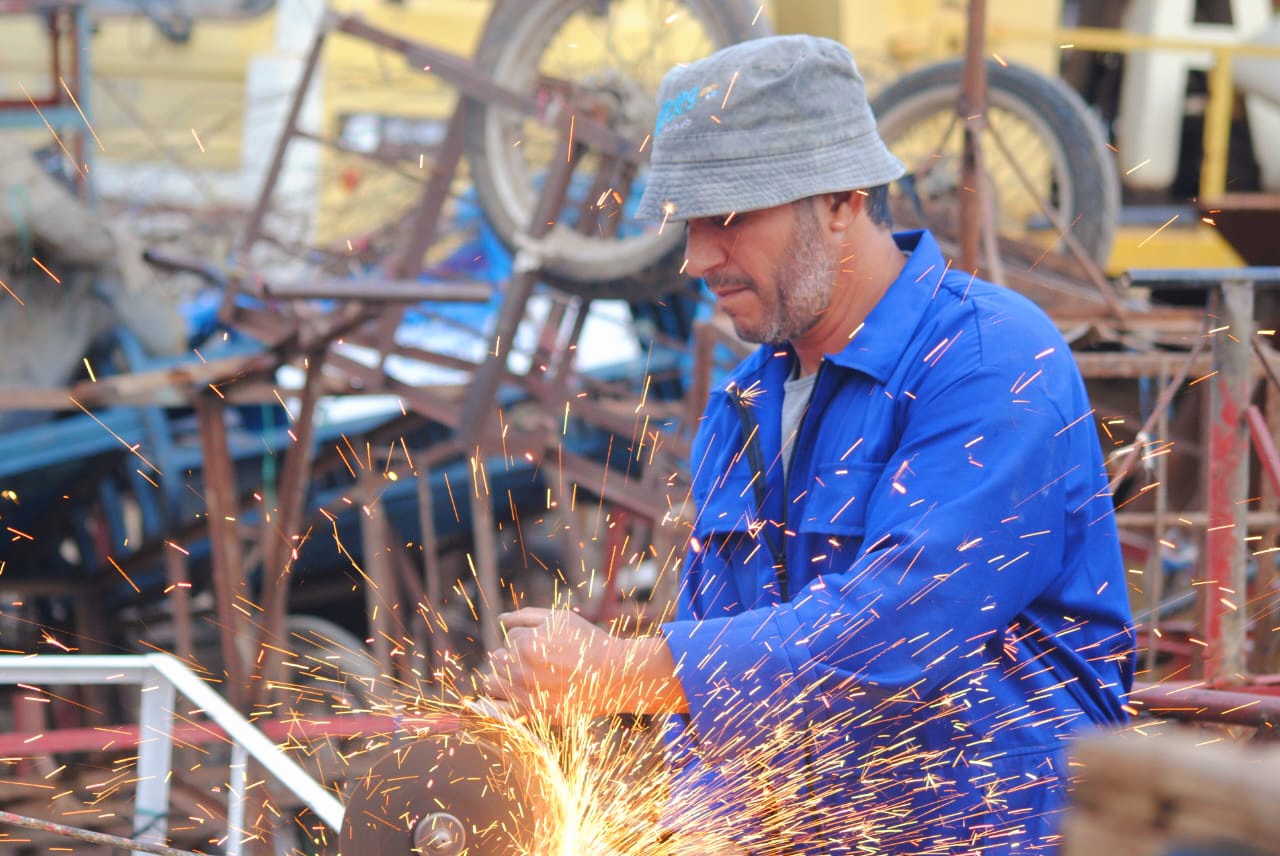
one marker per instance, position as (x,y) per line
(762,123)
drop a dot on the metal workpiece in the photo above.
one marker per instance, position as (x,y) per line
(470,790)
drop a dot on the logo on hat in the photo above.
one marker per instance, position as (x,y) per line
(682,102)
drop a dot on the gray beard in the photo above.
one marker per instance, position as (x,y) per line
(805,279)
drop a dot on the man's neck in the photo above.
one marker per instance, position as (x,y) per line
(861,280)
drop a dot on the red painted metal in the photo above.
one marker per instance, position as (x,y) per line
(1252,705)
(1264,446)
(1223,600)
(60,20)
(112,738)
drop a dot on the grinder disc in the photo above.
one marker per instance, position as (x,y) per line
(444,795)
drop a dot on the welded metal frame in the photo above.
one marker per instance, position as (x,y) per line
(1223,619)
(473,431)
(160,679)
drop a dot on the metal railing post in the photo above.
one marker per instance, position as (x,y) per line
(162,679)
(237,787)
(155,760)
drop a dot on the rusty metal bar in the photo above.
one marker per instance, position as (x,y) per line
(1264,446)
(89,836)
(484,384)
(380,582)
(1162,403)
(484,539)
(621,492)
(1090,266)
(971,111)
(432,574)
(473,83)
(176,572)
(278,535)
(118,736)
(1194,518)
(1155,560)
(425,221)
(223,511)
(1195,701)
(256,217)
(391,291)
(1223,595)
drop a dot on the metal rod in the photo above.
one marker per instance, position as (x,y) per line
(1091,268)
(1224,596)
(1191,700)
(179,579)
(1264,446)
(237,794)
(379,577)
(971,111)
(155,763)
(89,835)
(1204,279)
(254,228)
(432,574)
(145,669)
(425,220)
(1155,560)
(485,381)
(224,535)
(1166,395)
(484,539)
(278,539)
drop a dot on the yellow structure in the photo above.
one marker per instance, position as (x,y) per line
(890,38)
(195,122)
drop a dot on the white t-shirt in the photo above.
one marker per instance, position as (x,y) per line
(795,400)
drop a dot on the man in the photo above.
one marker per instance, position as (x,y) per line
(904,590)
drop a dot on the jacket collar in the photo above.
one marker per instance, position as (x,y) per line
(879,344)
(887,331)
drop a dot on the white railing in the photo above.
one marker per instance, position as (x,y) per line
(161,679)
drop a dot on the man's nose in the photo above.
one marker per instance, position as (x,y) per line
(703,253)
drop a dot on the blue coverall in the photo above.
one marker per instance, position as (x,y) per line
(885,651)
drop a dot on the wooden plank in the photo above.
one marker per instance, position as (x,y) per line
(1146,793)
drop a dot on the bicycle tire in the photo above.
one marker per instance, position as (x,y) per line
(638,266)
(1085,183)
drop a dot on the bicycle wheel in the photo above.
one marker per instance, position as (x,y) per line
(616,51)
(1041,141)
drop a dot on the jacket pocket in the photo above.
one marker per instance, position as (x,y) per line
(837,500)
(728,508)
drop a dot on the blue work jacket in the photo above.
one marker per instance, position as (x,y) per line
(884,651)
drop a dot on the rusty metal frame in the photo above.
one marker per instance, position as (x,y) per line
(1234,430)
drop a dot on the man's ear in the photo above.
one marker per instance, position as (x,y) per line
(844,207)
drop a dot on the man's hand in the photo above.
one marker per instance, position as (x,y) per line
(560,665)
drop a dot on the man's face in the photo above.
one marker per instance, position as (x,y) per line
(770,270)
